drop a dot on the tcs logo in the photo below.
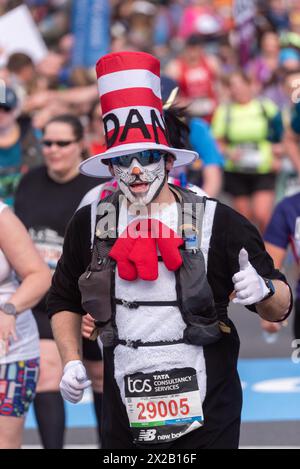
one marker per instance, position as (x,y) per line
(139,385)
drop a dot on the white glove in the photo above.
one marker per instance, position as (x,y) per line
(74,381)
(250,287)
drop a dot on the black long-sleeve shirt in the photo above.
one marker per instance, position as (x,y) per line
(222,406)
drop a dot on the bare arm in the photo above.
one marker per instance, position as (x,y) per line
(25,260)
(212,175)
(66,327)
(79,95)
(75,96)
(277,254)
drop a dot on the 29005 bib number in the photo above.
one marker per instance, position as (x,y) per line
(163,406)
(152,410)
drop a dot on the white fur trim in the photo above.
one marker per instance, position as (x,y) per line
(150,359)
(139,290)
(154,324)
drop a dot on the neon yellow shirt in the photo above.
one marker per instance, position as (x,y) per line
(246,126)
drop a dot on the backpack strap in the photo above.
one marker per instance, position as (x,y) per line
(202,216)
(228,113)
(192,216)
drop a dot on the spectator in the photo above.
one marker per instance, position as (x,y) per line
(95,134)
(18,147)
(201,18)
(264,67)
(278,15)
(22,70)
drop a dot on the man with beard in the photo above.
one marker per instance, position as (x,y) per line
(155,266)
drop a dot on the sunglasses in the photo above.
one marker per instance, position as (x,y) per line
(5,109)
(144,157)
(59,143)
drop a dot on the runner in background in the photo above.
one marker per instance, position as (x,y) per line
(196,72)
(46,200)
(19,340)
(284,231)
(246,128)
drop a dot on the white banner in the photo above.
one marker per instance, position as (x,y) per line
(19,33)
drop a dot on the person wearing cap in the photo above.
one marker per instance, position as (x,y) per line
(157,285)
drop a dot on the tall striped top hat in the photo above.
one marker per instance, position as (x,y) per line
(130,95)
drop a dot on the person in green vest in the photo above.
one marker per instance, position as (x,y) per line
(248,129)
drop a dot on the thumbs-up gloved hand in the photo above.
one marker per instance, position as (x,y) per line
(74,381)
(250,287)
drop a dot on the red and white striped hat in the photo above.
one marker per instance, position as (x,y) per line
(130,95)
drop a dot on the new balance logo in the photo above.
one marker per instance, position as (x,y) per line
(147,435)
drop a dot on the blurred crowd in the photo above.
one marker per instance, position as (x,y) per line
(230,71)
(242,88)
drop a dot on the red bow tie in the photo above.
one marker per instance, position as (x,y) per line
(135,251)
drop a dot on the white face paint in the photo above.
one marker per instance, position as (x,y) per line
(141,189)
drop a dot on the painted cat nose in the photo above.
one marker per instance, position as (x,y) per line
(136,171)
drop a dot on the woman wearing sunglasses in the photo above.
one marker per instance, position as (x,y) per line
(45,201)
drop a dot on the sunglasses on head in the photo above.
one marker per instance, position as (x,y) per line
(5,108)
(144,157)
(59,143)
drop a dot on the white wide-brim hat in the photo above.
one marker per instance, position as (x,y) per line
(95,165)
(130,95)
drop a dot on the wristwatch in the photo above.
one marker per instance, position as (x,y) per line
(271,288)
(9,309)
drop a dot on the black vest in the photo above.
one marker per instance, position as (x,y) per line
(204,324)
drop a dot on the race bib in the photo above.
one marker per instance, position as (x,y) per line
(293,186)
(49,244)
(297,239)
(201,107)
(163,406)
(251,157)
(51,253)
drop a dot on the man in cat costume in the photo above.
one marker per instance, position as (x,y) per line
(155,266)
